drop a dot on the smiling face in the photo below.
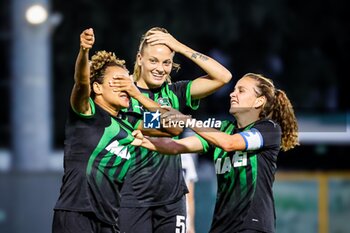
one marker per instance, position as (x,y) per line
(156,64)
(244,97)
(114,100)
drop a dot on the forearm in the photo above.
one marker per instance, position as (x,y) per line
(162,145)
(81,90)
(146,102)
(82,69)
(216,75)
(213,136)
(172,146)
(219,139)
(156,133)
(214,69)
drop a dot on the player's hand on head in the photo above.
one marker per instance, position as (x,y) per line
(158,37)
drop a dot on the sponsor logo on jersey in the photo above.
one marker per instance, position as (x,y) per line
(118,150)
(224,165)
(164,101)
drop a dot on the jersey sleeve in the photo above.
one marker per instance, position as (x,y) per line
(205,144)
(264,134)
(93,110)
(182,90)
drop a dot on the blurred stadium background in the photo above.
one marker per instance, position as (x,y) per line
(302,45)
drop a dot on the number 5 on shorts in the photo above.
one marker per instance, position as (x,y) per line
(180,224)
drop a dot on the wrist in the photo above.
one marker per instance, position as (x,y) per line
(136,95)
(83,49)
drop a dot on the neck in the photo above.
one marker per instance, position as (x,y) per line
(244,119)
(141,83)
(111,110)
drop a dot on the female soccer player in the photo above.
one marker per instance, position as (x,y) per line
(153,195)
(245,154)
(98,145)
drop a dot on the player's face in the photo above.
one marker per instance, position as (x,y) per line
(156,63)
(244,96)
(116,99)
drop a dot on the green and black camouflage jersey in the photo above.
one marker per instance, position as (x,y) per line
(245,179)
(154,179)
(97,155)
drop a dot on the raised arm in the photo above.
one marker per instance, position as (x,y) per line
(217,75)
(79,98)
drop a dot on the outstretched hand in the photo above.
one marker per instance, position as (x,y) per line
(87,39)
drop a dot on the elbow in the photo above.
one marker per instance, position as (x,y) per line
(227,76)
(223,77)
(174,148)
(226,148)
(178,149)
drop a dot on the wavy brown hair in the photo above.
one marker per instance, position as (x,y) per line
(277,108)
(143,44)
(98,65)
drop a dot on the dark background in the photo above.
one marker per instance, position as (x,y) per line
(301,45)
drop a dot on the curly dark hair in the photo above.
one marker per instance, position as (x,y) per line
(99,63)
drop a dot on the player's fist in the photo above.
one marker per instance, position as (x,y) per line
(138,138)
(87,39)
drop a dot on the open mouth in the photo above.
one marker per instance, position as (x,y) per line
(158,76)
(124,95)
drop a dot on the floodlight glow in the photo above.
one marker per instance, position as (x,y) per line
(36,14)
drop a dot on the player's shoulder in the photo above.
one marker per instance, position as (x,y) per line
(268,122)
(267,125)
(178,84)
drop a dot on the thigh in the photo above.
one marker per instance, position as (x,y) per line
(135,220)
(170,218)
(69,222)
